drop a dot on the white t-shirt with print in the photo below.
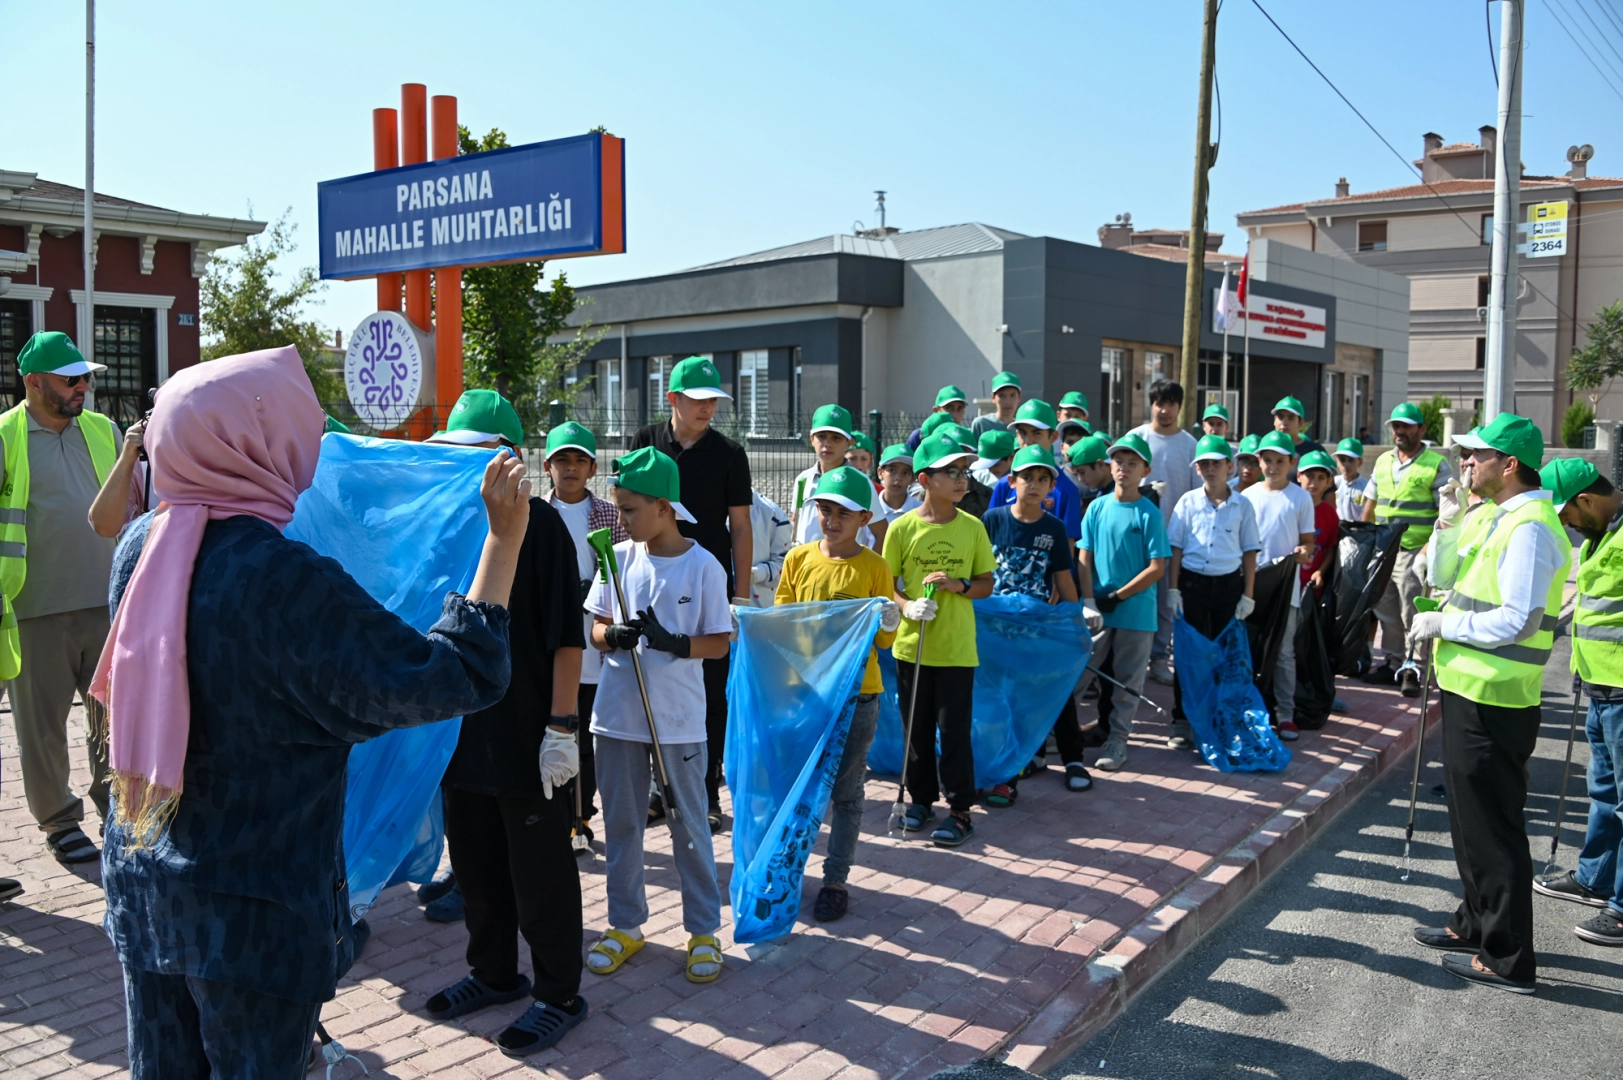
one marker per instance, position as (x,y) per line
(1282,519)
(575,517)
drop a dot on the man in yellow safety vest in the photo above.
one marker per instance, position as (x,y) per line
(53,575)
(1505,567)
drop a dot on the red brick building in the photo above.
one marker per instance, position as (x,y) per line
(148,261)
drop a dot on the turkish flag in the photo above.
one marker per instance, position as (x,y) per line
(1245,275)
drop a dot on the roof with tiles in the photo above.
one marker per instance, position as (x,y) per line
(1443,187)
(49,189)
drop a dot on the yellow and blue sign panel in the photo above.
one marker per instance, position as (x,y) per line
(545,200)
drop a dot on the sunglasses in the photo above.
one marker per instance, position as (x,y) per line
(73,380)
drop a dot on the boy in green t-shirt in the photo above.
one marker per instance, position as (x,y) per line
(941,546)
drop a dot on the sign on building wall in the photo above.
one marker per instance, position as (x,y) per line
(1281,320)
(545,200)
(388,370)
(1546,230)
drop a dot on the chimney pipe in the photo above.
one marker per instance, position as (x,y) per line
(1432,141)
(1342,190)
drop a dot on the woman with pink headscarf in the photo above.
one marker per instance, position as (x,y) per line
(240,669)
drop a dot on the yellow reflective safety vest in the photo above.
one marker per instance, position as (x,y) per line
(102,440)
(1597,621)
(1509,675)
(1409,499)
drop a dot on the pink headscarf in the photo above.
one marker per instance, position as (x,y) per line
(233,436)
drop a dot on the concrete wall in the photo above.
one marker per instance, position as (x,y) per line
(944,332)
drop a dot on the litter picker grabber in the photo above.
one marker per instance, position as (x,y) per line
(578,841)
(1422,603)
(899,810)
(602,542)
(1127,688)
(1566,772)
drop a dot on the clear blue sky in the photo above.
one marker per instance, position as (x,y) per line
(750,125)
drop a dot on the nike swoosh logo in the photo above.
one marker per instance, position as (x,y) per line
(691,756)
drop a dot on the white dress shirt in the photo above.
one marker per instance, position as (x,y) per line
(1526,569)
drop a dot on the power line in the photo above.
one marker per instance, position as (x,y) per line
(1550,6)
(1600,32)
(1606,11)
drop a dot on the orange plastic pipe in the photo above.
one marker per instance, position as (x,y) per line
(414,149)
(447,280)
(386,155)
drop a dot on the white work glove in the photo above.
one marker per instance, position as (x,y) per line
(1450,505)
(1244,608)
(890,616)
(733,611)
(759,574)
(920,610)
(1426,626)
(1175,599)
(1422,568)
(560,760)
(1091,616)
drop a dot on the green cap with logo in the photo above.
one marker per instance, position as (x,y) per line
(1566,478)
(1089,450)
(1074,399)
(1248,446)
(1407,412)
(54,352)
(1290,405)
(938,451)
(571,436)
(697,377)
(1317,459)
(1509,434)
(1005,378)
(896,452)
(1213,448)
(965,437)
(1037,413)
(835,418)
(949,394)
(336,425)
(934,422)
(1034,457)
(1135,444)
(860,441)
(652,473)
(1278,442)
(1349,448)
(845,486)
(993,447)
(478,417)
(1217,410)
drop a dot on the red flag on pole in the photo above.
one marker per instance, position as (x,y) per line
(1245,275)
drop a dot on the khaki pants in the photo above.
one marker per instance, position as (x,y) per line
(1396,609)
(59,654)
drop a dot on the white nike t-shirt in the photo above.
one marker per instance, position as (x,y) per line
(576,516)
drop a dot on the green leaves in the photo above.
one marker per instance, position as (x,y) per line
(1593,367)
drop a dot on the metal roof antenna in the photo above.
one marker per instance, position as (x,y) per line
(881,208)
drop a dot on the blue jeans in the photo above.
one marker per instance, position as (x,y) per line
(185,1028)
(1600,864)
(845,807)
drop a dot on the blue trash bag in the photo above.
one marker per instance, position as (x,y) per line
(1031,656)
(796,672)
(405,520)
(1222,702)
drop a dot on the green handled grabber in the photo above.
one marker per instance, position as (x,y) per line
(602,542)
(1421,603)
(898,812)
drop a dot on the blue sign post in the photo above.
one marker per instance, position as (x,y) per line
(545,200)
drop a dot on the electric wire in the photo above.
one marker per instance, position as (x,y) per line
(1550,6)
(1600,32)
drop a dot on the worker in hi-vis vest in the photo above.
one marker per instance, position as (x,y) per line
(1403,487)
(54,570)
(1589,503)
(1504,568)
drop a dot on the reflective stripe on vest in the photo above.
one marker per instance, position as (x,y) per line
(1510,675)
(1409,499)
(1597,620)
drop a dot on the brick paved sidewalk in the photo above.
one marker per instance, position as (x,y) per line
(946,956)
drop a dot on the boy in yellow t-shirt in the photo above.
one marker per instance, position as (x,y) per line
(939,545)
(838,567)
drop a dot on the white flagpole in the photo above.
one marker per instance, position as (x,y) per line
(87,335)
(1228,318)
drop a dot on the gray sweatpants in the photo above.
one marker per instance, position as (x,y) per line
(845,807)
(623,772)
(1285,672)
(59,656)
(1129,652)
(1396,611)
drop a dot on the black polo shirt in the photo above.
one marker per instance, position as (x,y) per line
(715,475)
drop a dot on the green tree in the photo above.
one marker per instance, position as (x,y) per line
(245,308)
(1578,417)
(1431,415)
(1593,367)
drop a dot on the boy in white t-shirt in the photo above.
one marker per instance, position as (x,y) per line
(1285,527)
(679,615)
(830,439)
(895,478)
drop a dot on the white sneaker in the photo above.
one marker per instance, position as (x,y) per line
(1112,755)
(1161,672)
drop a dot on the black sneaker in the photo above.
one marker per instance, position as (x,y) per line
(1604,929)
(1409,681)
(1565,886)
(433,890)
(447,909)
(832,903)
(9,887)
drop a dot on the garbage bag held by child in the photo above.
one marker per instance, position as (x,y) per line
(1222,702)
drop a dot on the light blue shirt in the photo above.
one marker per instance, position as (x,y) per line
(1213,536)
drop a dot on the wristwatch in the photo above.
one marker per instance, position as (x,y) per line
(966,583)
(571,723)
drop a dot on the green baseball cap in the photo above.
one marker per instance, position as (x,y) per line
(1509,434)
(334,424)
(860,441)
(1213,448)
(1089,450)
(571,436)
(1349,448)
(948,394)
(480,416)
(1103,434)
(938,451)
(845,486)
(1037,413)
(993,447)
(1290,405)
(1074,399)
(1077,426)
(652,473)
(835,418)
(1005,378)
(896,452)
(1317,459)
(1407,412)
(934,422)
(1135,444)
(1279,442)
(1566,477)
(55,352)
(1248,446)
(1033,457)
(1219,411)
(965,437)
(696,377)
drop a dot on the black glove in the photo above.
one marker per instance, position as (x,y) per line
(1107,602)
(623,635)
(661,638)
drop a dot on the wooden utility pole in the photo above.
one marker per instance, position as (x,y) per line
(1194,283)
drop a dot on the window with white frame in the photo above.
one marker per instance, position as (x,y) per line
(1156,366)
(754,386)
(606,383)
(658,368)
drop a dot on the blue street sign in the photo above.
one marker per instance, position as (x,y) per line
(545,200)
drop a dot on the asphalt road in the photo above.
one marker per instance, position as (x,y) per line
(1316,976)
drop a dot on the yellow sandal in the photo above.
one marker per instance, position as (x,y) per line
(704,949)
(602,947)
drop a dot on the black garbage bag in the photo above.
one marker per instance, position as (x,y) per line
(1366,553)
(1266,624)
(1315,671)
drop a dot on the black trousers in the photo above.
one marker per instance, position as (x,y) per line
(588,763)
(944,704)
(512,859)
(1485,754)
(715,723)
(1068,733)
(1208,605)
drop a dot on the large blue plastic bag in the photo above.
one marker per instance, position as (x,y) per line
(1031,656)
(1222,702)
(796,672)
(406,521)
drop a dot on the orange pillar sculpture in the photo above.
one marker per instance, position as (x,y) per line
(413,150)
(386,155)
(447,282)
